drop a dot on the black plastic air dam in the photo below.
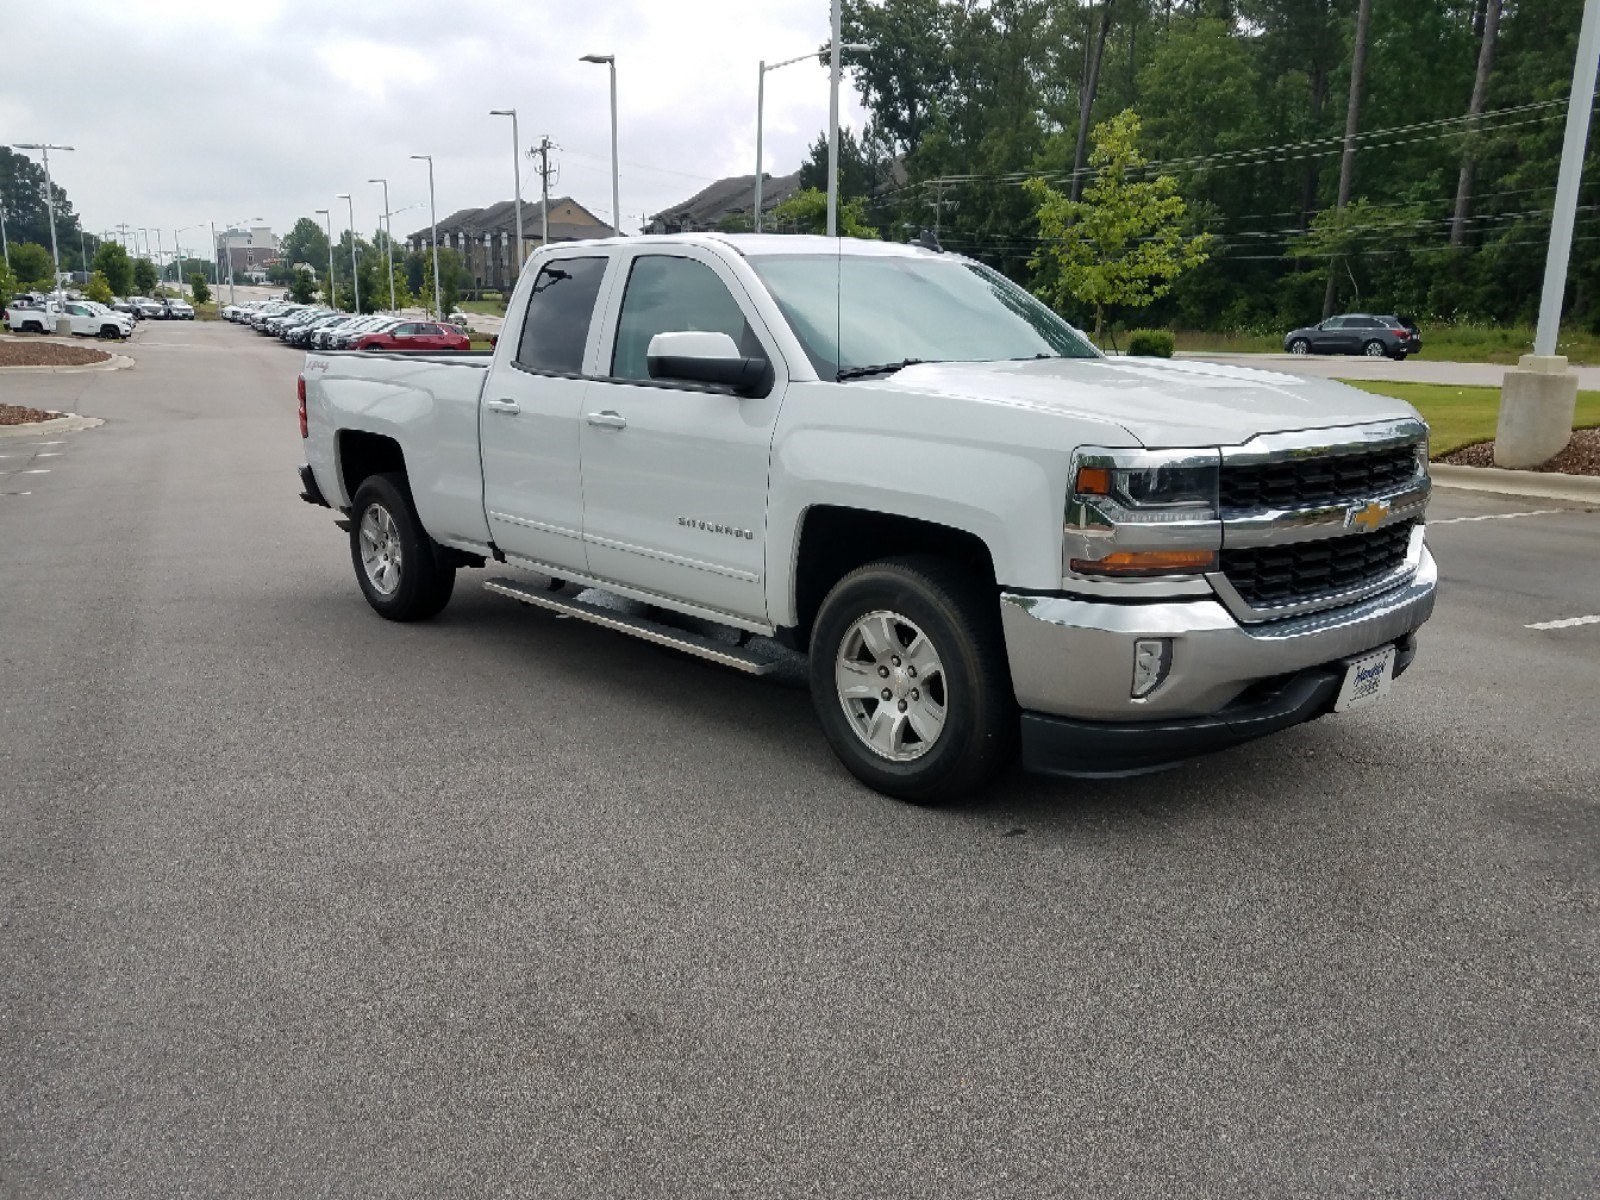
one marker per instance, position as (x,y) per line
(1107,750)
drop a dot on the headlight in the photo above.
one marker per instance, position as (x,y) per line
(1138,513)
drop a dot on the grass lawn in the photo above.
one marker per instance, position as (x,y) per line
(1441,343)
(484,308)
(1461,416)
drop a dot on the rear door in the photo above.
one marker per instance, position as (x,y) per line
(531,415)
(675,474)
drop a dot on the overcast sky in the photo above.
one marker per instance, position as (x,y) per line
(199,110)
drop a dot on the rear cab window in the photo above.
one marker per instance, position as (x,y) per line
(555,324)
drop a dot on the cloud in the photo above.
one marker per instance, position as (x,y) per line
(222,112)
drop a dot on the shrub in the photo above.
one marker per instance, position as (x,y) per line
(1150,343)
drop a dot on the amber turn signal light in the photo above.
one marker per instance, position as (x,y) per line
(1147,562)
(1093,481)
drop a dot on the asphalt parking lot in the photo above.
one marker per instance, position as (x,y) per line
(301,903)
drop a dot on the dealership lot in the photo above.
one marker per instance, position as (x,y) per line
(302,902)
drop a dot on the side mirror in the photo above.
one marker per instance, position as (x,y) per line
(703,358)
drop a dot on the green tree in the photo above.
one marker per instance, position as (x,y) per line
(144,276)
(112,261)
(860,170)
(303,286)
(807,212)
(1124,243)
(452,278)
(304,243)
(8,282)
(31,264)
(201,290)
(98,289)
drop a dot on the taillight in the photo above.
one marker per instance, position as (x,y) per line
(300,391)
(1401,333)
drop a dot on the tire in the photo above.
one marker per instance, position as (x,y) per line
(961,722)
(1299,346)
(394,558)
(32,327)
(1374,349)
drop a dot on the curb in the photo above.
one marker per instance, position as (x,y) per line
(65,423)
(117,362)
(1546,485)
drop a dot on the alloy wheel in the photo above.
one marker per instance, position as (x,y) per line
(891,685)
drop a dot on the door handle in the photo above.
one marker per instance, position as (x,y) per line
(509,407)
(608,420)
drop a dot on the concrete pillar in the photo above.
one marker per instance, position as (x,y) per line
(1538,399)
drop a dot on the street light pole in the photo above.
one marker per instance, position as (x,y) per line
(5,246)
(616,205)
(761,92)
(833,124)
(1567,179)
(50,203)
(516,177)
(329,217)
(216,264)
(388,237)
(433,217)
(161,252)
(355,277)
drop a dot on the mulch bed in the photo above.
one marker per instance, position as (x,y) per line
(26,352)
(1581,456)
(12,414)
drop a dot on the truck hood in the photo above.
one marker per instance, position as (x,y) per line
(1160,402)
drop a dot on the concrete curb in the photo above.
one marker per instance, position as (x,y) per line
(65,423)
(1545,485)
(117,362)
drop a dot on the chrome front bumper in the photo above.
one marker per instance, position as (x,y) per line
(1074,658)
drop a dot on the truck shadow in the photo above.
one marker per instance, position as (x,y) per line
(768,723)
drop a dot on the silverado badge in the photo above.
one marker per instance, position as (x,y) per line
(1369,515)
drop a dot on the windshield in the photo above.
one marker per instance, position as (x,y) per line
(853,311)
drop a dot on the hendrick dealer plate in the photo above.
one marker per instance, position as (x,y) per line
(1366,679)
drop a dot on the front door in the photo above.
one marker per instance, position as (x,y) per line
(531,414)
(675,474)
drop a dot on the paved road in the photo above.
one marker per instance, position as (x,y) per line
(301,903)
(1412,370)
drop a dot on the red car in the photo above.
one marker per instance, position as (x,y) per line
(415,335)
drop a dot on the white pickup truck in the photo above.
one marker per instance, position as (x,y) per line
(87,319)
(985,535)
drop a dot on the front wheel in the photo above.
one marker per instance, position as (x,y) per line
(1374,349)
(910,680)
(1299,346)
(394,558)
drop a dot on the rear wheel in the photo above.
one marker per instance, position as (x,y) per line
(395,560)
(910,681)
(1374,349)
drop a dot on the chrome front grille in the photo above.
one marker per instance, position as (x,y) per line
(1319,518)
(1337,478)
(1272,575)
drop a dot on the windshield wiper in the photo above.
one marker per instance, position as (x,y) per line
(878,369)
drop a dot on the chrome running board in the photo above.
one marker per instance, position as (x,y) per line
(727,655)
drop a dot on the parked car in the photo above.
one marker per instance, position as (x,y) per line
(431,336)
(177,309)
(148,309)
(1356,333)
(302,322)
(982,533)
(345,338)
(127,308)
(87,318)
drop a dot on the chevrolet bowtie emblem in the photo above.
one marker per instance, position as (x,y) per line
(1369,515)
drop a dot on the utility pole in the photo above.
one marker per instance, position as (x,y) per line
(543,151)
(50,203)
(1352,123)
(4,244)
(388,238)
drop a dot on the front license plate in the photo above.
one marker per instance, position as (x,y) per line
(1366,679)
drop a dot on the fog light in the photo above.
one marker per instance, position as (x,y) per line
(1152,657)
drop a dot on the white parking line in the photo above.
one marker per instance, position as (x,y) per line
(1565,623)
(1538,512)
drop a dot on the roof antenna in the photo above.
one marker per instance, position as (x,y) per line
(929,240)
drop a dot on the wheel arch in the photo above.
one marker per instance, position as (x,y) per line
(833,540)
(360,454)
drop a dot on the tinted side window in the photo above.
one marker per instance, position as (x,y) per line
(560,308)
(667,294)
